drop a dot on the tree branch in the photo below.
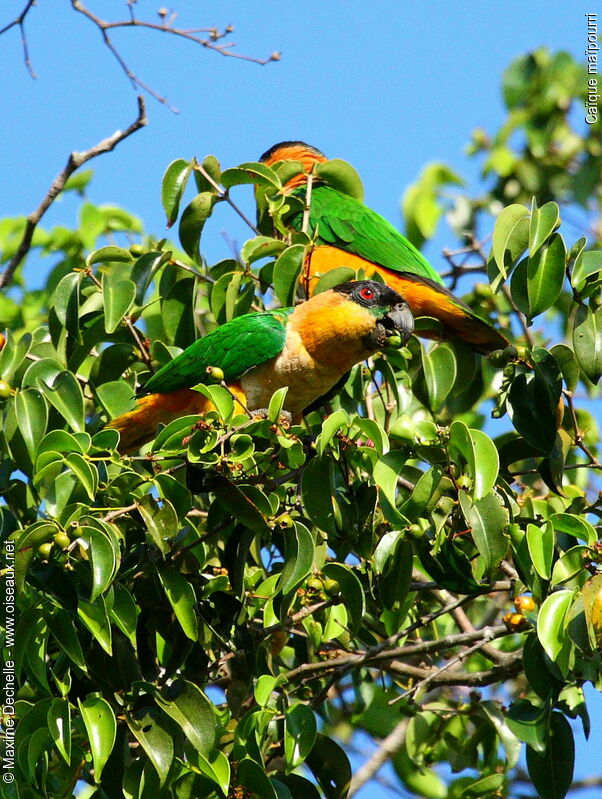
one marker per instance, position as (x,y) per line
(20,21)
(74,162)
(164,27)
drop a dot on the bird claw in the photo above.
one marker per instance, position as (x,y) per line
(262,413)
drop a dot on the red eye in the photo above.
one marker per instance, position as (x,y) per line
(367,294)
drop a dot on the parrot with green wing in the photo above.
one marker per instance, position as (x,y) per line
(346,232)
(309,349)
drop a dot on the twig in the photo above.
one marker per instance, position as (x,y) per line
(307,207)
(20,21)
(388,747)
(393,654)
(520,316)
(593,461)
(165,27)
(74,162)
(144,353)
(489,634)
(224,194)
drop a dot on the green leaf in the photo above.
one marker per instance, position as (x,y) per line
(59,725)
(488,519)
(510,236)
(156,740)
(332,424)
(552,770)
(95,617)
(351,590)
(117,296)
(173,185)
(395,557)
(32,415)
(221,398)
(85,472)
(570,564)
(375,434)
(13,354)
(216,767)
(261,247)
(575,526)
(341,176)
(480,454)
(566,360)
(540,541)
(161,521)
(252,777)
(551,627)
(317,494)
(545,276)
(299,550)
(587,340)
(330,766)
(66,395)
(300,730)
(543,222)
(192,222)
(533,401)
(110,254)
(529,723)
(251,172)
(424,494)
(439,374)
(99,720)
(63,630)
(334,277)
(103,555)
(277,403)
(66,302)
(193,712)
(586,264)
(287,270)
(182,598)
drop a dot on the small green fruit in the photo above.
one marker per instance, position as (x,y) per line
(45,550)
(216,375)
(498,358)
(331,587)
(415,531)
(511,352)
(5,389)
(394,342)
(62,540)
(314,585)
(464,482)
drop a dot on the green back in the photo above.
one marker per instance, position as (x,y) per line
(345,223)
(235,347)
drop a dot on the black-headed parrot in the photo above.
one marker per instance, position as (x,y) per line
(309,349)
(348,233)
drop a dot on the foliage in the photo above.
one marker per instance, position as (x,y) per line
(216,616)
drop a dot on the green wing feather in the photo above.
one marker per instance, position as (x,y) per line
(348,224)
(235,347)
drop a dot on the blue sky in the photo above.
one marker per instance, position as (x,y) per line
(388,86)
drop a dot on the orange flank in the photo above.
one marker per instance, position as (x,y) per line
(140,425)
(423,297)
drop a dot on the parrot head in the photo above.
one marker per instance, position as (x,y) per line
(293,151)
(391,313)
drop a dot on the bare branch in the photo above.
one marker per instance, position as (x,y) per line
(389,746)
(20,22)
(74,162)
(166,26)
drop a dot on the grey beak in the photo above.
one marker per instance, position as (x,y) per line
(400,320)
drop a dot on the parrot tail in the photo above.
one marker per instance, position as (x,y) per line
(140,425)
